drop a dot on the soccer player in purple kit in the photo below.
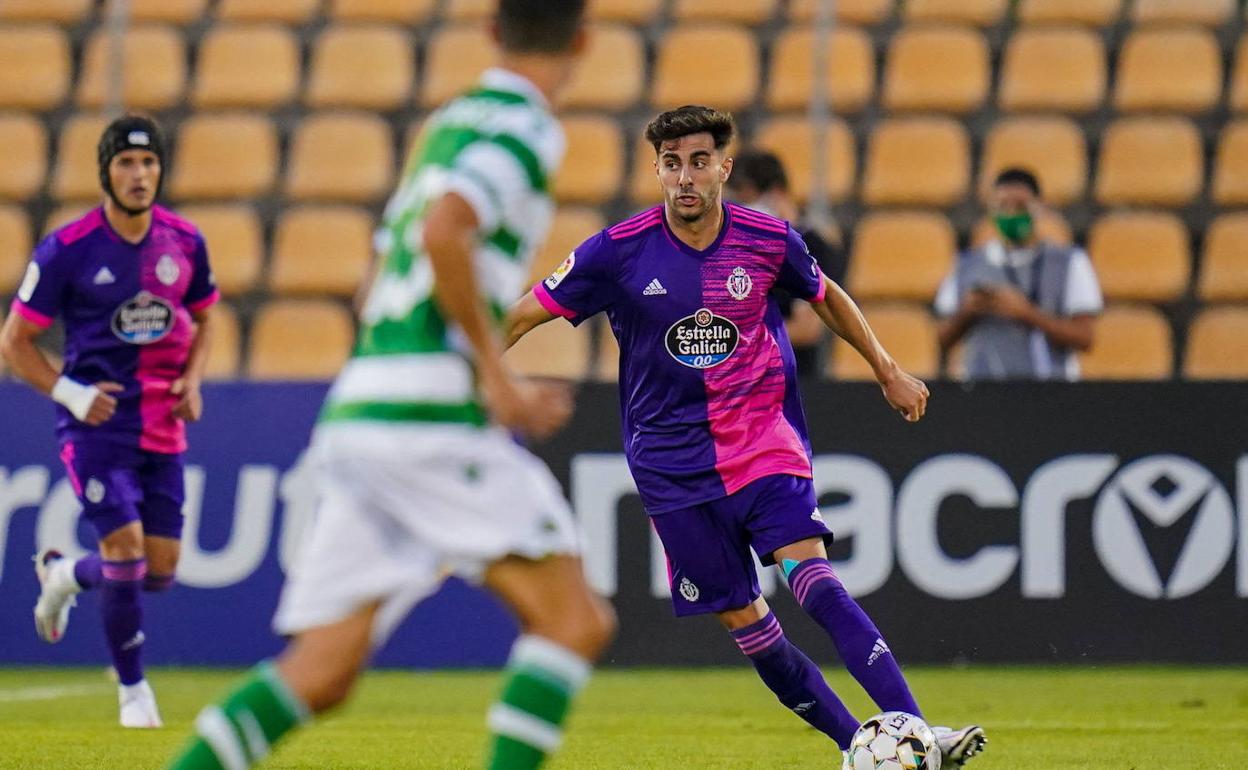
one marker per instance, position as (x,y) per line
(713,424)
(131,281)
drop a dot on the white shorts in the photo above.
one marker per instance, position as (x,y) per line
(403,507)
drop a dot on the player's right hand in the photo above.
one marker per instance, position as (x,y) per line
(533,408)
(105,405)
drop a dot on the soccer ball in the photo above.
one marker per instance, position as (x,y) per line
(893,740)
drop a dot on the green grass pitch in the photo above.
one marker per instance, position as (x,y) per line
(1146,718)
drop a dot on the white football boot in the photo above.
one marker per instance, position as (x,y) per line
(138,705)
(957,746)
(57,588)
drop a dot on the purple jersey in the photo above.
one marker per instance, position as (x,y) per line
(127,311)
(707,379)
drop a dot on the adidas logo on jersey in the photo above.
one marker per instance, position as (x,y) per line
(104,276)
(654,288)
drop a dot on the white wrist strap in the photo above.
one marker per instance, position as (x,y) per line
(74,396)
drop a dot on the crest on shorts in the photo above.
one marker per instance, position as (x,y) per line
(167,270)
(94,491)
(740,283)
(689,590)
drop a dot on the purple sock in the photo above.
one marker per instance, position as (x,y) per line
(858,641)
(88,571)
(123,616)
(157,583)
(795,679)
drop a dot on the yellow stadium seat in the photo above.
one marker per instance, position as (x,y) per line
(1238,96)
(1209,13)
(593,166)
(906,330)
(26,152)
(370,67)
(1095,13)
(851,70)
(288,11)
(409,12)
(1053,148)
(340,157)
(58,11)
(64,214)
(168,11)
(732,81)
(740,11)
(639,12)
(299,339)
(77,175)
(15,246)
(555,349)
(868,12)
(1230,172)
(643,185)
(34,67)
(607,361)
(1177,70)
(321,250)
(226,155)
(901,255)
(1224,268)
(246,65)
(1132,342)
(611,72)
(153,70)
(792,140)
(456,57)
(224,346)
(936,68)
(1053,68)
(1140,255)
(572,226)
(917,161)
(468,10)
(1051,227)
(1217,345)
(981,13)
(235,245)
(1150,161)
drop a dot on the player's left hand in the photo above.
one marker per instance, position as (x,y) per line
(191,406)
(1009,302)
(907,395)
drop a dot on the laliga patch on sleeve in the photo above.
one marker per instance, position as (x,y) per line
(29,283)
(561,272)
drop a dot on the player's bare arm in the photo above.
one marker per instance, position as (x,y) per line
(1009,302)
(842,315)
(91,404)
(523,317)
(190,406)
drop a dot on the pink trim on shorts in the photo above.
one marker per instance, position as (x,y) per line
(68,453)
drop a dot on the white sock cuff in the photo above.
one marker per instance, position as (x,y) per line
(553,658)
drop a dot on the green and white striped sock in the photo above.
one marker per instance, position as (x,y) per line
(239,731)
(527,720)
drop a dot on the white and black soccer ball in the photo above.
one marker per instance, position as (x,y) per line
(893,740)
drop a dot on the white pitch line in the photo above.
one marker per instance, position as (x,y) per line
(49,693)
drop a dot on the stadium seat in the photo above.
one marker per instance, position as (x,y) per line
(64,214)
(851,70)
(15,247)
(76,175)
(467,10)
(1132,342)
(26,152)
(1051,227)
(1053,68)
(909,333)
(1095,13)
(340,157)
(153,73)
(792,139)
(1150,161)
(287,11)
(936,69)
(741,11)
(593,165)
(917,161)
(167,11)
(410,12)
(1224,267)
(1140,255)
(981,13)
(641,12)
(1053,148)
(366,66)
(730,84)
(56,11)
(235,245)
(1238,96)
(1230,172)
(321,250)
(868,12)
(556,349)
(1217,345)
(299,339)
(901,255)
(224,346)
(246,65)
(34,67)
(606,364)
(226,155)
(611,72)
(643,185)
(1209,13)
(572,226)
(1173,70)
(455,58)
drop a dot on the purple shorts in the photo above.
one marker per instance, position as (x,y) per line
(117,485)
(708,545)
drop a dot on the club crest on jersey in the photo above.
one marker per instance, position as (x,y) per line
(143,320)
(702,340)
(561,272)
(740,283)
(167,270)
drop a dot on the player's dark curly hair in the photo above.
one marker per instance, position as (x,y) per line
(691,119)
(539,26)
